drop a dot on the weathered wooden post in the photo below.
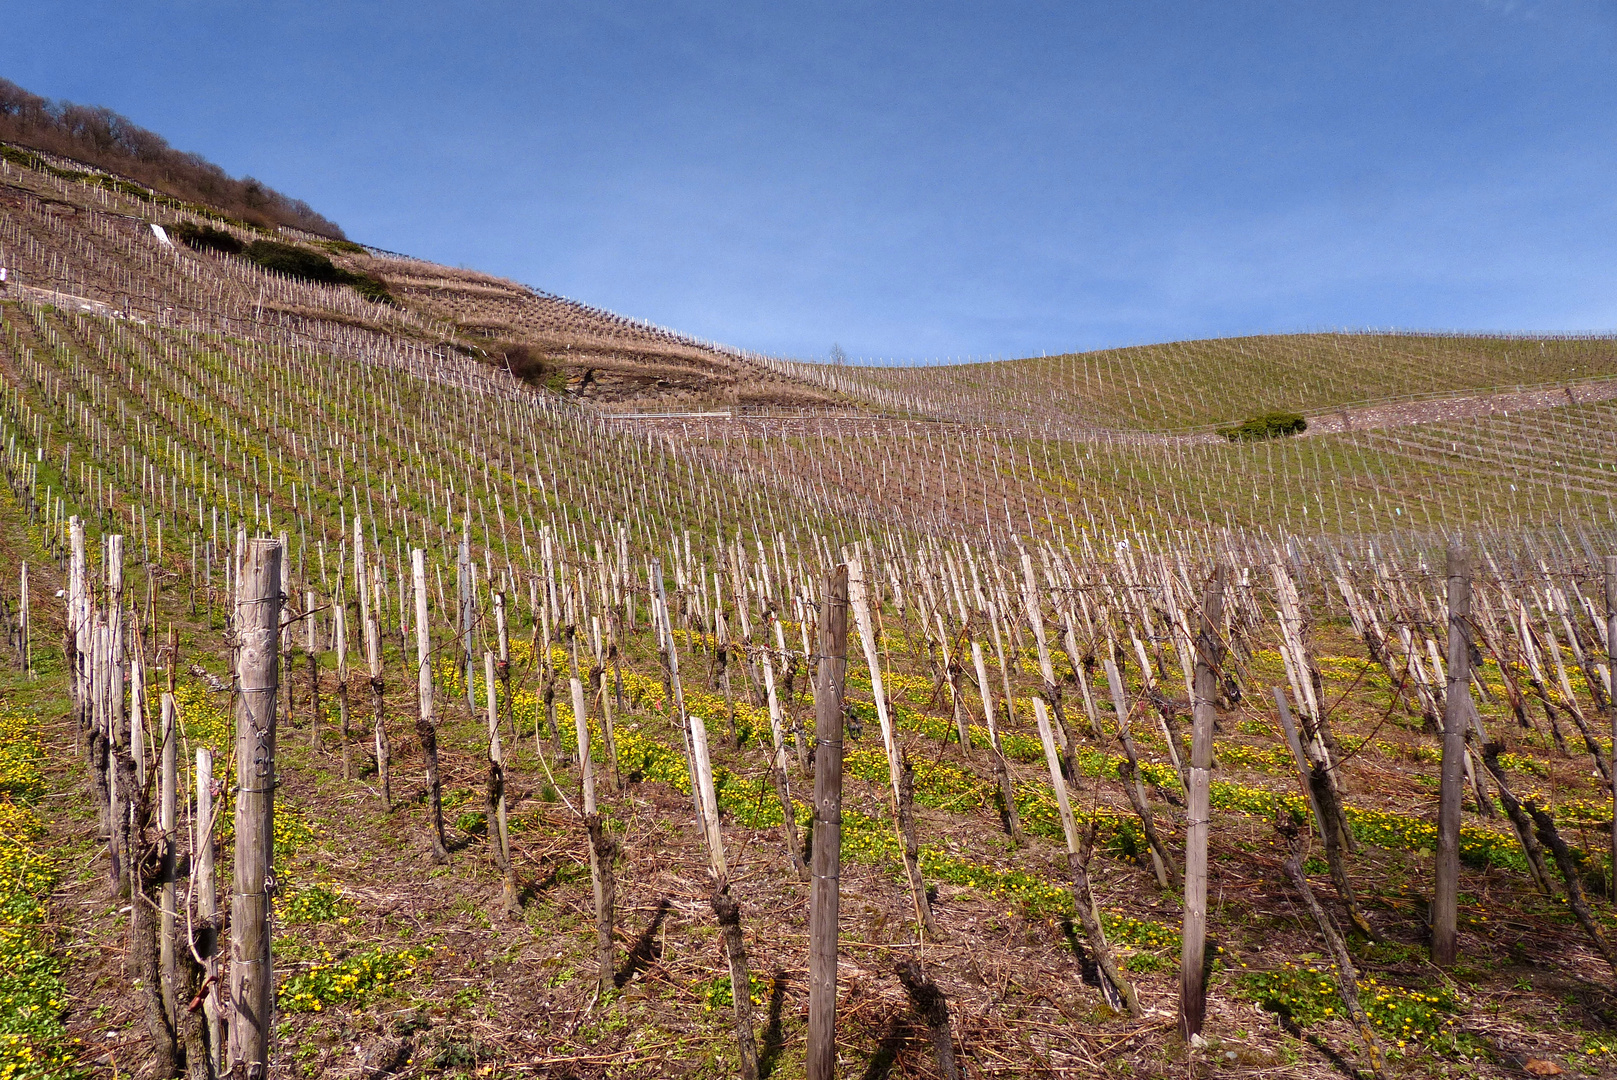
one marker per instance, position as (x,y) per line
(205,933)
(167,815)
(1192,961)
(602,848)
(778,765)
(371,626)
(311,646)
(78,625)
(499,833)
(465,576)
(339,642)
(1114,984)
(859,603)
(503,668)
(121,787)
(425,727)
(825,890)
(1002,776)
(1611,692)
(23,629)
(1456,715)
(252,982)
(1128,770)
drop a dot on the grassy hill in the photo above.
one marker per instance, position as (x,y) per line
(1195,385)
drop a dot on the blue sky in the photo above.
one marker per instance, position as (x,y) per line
(917,180)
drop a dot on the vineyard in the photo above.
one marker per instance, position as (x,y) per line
(444,678)
(1195,385)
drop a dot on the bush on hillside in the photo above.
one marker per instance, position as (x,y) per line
(309,265)
(528,364)
(293,261)
(206,238)
(525,361)
(371,288)
(1270,425)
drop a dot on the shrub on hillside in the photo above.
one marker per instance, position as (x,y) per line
(293,261)
(371,288)
(1270,425)
(529,364)
(206,238)
(309,265)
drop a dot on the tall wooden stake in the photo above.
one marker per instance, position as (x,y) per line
(205,934)
(1192,964)
(252,982)
(1456,715)
(825,891)
(425,727)
(371,626)
(311,645)
(339,643)
(602,847)
(778,767)
(860,604)
(1083,895)
(498,831)
(23,629)
(167,807)
(1611,692)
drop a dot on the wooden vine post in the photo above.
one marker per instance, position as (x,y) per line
(1114,984)
(252,981)
(204,936)
(1456,715)
(1192,962)
(339,644)
(1050,691)
(465,578)
(425,726)
(122,780)
(778,763)
(676,689)
(24,631)
(860,604)
(1611,693)
(602,847)
(1128,770)
(311,649)
(725,908)
(498,829)
(825,888)
(503,662)
(77,642)
(371,626)
(167,820)
(1002,776)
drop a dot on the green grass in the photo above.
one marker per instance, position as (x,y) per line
(34,1044)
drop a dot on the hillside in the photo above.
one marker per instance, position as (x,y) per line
(401,512)
(87,240)
(121,153)
(1195,385)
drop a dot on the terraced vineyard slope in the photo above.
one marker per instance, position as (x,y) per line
(538,688)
